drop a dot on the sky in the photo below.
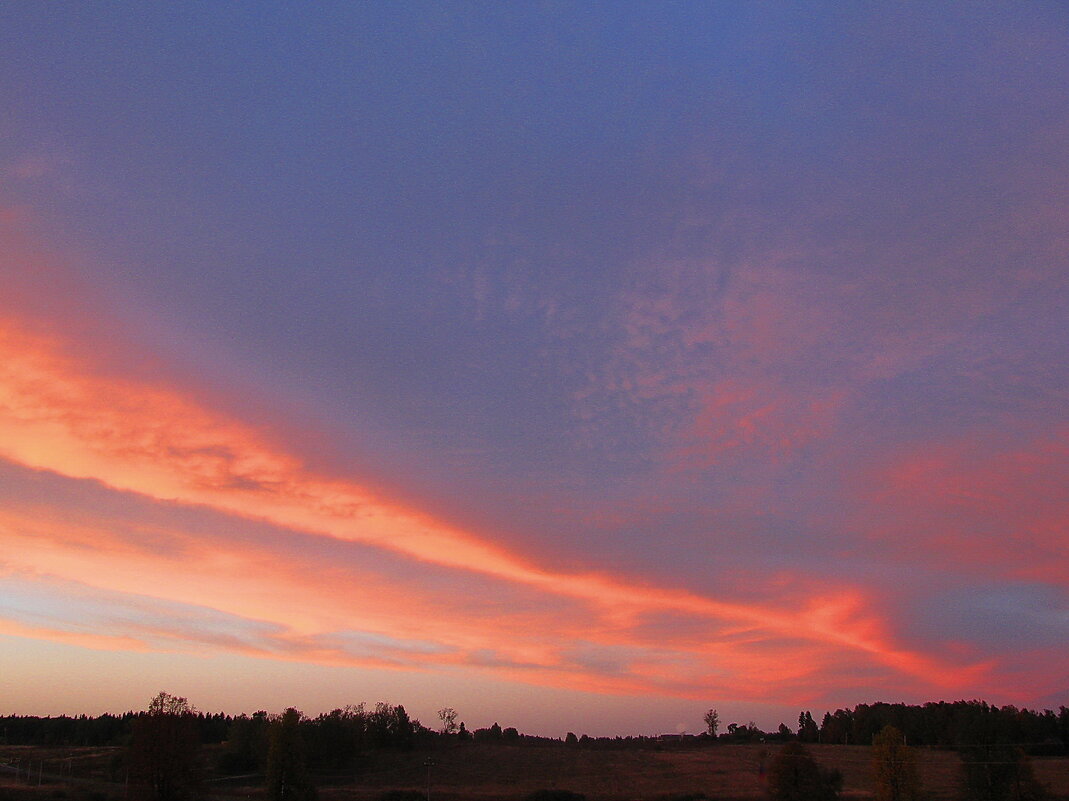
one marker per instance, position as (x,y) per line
(579,366)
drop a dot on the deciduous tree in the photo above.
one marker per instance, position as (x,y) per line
(448,716)
(165,762)
(894,767)
(712,722)
(287,766)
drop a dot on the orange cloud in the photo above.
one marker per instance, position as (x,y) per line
(96,642)
(61,414)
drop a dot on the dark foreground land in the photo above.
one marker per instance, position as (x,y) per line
(498,772)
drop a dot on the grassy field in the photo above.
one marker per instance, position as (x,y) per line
(509,773)
(723,772)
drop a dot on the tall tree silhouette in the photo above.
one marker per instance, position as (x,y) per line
(287,765)
(712,722)
(165,761)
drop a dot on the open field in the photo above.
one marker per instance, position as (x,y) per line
(721,772)
(508,773)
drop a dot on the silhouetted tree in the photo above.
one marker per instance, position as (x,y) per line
(836,728)
(807,728)
(389,726)
(165,750)
(448,716)
(331,740)
(712,722)
(287,766)
(402,728)
(245,749)
(794,776)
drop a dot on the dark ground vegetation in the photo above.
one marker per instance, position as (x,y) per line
(969,751)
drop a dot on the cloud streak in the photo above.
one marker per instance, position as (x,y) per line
(58,415)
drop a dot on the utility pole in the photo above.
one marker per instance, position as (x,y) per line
(430,763)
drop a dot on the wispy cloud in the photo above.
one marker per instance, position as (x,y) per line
(58,414)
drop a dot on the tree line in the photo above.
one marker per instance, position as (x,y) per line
(941,724)
(164,758)
(335,735)
(944,724)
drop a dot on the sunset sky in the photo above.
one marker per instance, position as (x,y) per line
(580,366)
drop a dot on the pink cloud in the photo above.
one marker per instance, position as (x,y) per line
(68,406)
(757,418)
(306,601)
(995,506)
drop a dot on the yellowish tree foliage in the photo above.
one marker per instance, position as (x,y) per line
(894,767)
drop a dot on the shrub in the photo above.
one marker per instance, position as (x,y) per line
(795,776)
(998,773)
